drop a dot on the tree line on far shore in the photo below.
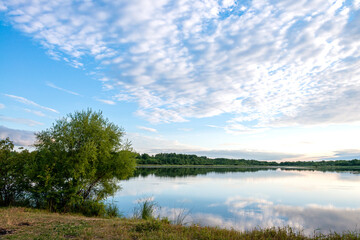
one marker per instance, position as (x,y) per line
(188,159)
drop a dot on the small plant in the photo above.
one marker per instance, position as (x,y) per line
(112,211)
(145,210)
(165,220)
(180,216)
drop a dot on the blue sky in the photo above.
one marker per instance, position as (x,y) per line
(268,80)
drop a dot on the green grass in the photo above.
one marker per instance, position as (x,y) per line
(145,210)
(26,223)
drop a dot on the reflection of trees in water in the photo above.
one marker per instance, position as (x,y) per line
(186,172)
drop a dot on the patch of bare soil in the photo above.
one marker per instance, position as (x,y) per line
(4,231)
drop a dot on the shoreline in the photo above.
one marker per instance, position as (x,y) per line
(26,223)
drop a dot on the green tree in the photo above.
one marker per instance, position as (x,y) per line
(6,195)
(79,161)
(13,181)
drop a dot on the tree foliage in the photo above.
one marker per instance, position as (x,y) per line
(187,159)
(13,180)
(79,159)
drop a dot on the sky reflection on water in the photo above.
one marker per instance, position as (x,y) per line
(306,200)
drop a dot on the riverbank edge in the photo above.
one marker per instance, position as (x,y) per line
(25,223)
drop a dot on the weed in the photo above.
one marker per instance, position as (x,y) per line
(145,210)
(112,211)
(180,216)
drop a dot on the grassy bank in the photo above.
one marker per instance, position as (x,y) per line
(22,223)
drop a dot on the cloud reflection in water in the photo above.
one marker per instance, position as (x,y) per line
(249,213)
(305,200)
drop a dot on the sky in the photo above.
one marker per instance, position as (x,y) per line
(267,80)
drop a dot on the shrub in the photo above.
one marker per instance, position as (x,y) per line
(90,208)
(112,211)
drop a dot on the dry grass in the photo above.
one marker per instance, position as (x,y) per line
(22,223)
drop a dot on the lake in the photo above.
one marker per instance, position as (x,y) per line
(244,199)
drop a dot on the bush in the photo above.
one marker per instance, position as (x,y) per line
(90,209)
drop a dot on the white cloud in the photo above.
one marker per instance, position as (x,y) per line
(24,121)
(2,6)
(161,115)
(147,129)
(38,113)
(179,216)
(19,137)
(268,63)
(186,129)
(109,102)
(252,212)
(228,3)
(236,128)
(154,145)
(356,4)
(345,154)
(50,84)
(29,102)
(246,154)
(2,106)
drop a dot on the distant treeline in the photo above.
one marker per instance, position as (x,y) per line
(186,159)
(186,172)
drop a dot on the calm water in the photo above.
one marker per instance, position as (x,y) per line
(307,200)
